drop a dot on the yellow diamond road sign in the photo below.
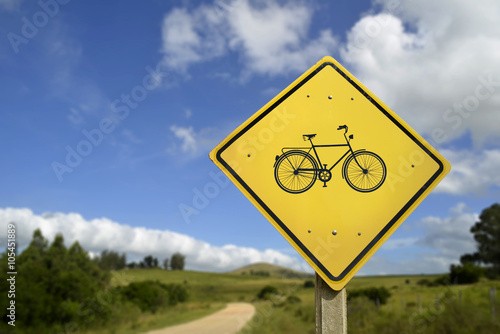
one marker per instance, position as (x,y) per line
(332,168)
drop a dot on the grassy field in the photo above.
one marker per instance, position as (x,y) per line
(443,309)
(412,308)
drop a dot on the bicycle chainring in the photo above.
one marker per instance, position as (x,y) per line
(325,175)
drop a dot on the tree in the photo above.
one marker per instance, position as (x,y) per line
(487,235)
(470,258)
(111,260)
(165,264)
(133,265)
(149,262)
(177,261)
(55,284)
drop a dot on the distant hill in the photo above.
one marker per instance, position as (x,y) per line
(271,270)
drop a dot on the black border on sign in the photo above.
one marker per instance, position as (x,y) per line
(280,223)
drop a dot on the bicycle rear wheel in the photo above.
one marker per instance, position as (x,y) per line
(295,171)
(365,171)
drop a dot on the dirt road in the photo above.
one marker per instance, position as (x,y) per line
(227,321)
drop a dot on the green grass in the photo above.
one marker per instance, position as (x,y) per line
(400,315)
(270,319)
(208,287)
(211,291)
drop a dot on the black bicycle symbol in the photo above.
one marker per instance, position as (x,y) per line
(296,170)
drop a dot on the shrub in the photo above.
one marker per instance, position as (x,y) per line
(177,293)
(374,294)
(309,284)
(267,291)
(465,274)
(424,282)
(441,280)
(151,296)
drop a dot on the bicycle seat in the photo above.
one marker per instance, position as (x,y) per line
(308,137)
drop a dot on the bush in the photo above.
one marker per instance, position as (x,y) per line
(424,282)
(465,274)
(441,280)
(267,291)
(177,293)
(374,294)
(151,296)
(309,284)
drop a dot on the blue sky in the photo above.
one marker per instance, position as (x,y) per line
(109,109)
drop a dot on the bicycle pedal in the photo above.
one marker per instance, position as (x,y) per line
(324,185)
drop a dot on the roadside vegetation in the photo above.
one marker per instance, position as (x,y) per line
(63,290)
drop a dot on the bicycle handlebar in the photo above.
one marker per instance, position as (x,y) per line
(342,127)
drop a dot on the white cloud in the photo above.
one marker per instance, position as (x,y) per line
(192,143)
(434,63)
(431,62)
(102,233)
(442,242)
(471,172)
(10,5)
(191,38)
(450,237)
(270,38)
(187,137)
(273,39)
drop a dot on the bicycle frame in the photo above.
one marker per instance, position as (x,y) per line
(313,148)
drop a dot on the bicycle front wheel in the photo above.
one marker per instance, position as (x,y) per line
(295,171)
(365,171)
